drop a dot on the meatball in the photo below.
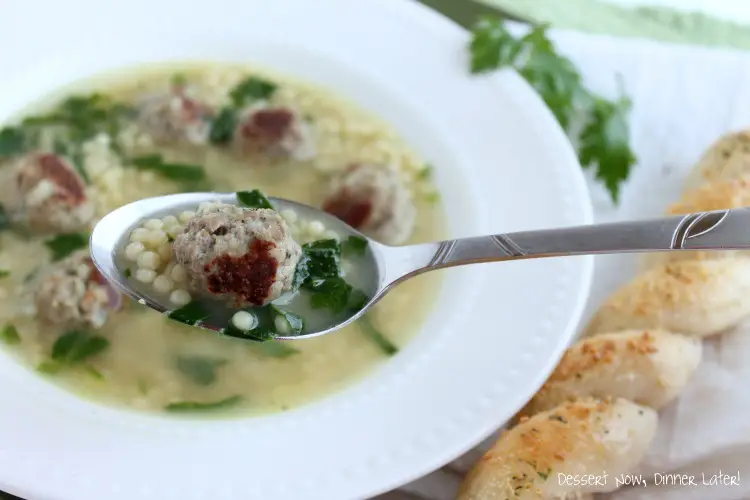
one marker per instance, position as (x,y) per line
(72,294)
(44,192)
(373,199)
(275,132)
(176,116)
(241,255)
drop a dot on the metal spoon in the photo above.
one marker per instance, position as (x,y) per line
(719,230)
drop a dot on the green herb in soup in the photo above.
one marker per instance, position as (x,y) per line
(9,335)
(200,369)
(63,245)
(254,199)
(4,220)
(276,349)
(251,89)
(12,142)
(149,132)
(4,273)
(376,336)
(190,406)
(173,171)
(354,245)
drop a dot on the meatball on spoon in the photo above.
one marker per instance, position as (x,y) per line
(247,256)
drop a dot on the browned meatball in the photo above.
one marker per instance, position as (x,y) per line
(44,192)
(372,199)
(72,294)
(275,132)
(176,116)
(246,256)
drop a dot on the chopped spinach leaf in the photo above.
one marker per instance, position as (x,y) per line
(4,219)
(77,346)
(63,245)
(4,273)
(190,314)
(295,322)
(276,349)
(253,199)
(200,369)
(75,154)
(376,336)
(173,171)
(60,148)
(265,329)
(251,89)
(9,335)
(127,272)
(324,259)
(48,367)
(222,127)
(188,406)
(301,272)
(96,374)
(12,142)
(332,294)
(354,245)
(357,300)
(319,272)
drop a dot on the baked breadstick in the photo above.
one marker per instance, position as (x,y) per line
(534,459)
(694,297)
(648,367)
(727,158)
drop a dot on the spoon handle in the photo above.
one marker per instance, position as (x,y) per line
(719,230)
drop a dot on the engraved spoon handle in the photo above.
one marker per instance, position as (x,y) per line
(719,230)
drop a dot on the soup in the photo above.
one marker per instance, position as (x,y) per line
(149,131)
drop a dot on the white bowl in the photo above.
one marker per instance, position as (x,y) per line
(503,164)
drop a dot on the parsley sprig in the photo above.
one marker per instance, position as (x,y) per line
(603,140)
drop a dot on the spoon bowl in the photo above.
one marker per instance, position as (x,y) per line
(109,236)
(386,266)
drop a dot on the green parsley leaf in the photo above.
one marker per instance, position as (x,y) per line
(251,89)
(4,273)
(253,199)
(604,143)
(65,244)
(9,335)
(190,406)
(604,140)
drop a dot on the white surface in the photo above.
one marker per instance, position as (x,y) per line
(502,164)
(684,99)
(730,10)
